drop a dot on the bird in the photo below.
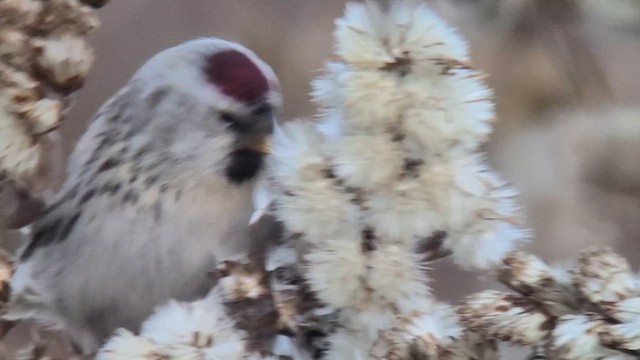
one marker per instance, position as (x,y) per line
(158,190)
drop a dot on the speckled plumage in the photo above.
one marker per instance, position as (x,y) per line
(159,188)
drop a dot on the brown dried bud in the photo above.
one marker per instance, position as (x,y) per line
(43,116)
(531,277)
(577,337)
(17,87)
(19,13)
(19,157)
(506,317)
(15,48)
(471,346)
(240,281)
(604,277)
(64,61)
(245,293)
(66,16)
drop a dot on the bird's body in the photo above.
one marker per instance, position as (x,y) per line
(159,189)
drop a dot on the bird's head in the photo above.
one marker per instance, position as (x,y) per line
(210,103)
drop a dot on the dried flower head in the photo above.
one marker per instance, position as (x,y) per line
(65,61)
(605,277)
(390,170)
(44,57)
(506,317)
(197,330)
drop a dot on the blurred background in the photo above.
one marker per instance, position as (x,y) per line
(565,72)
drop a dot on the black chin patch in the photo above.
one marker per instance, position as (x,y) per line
(243,165)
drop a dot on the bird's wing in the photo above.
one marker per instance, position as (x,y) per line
(98,135)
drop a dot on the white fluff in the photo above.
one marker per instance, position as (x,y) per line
(485,246)
(369,37)
(298,153)
(318,211)
(370,98)
(391,160)
(626,334)
(437,320)
(336,271)
(369,162)
(405,212)
(576,338)
(181,330)
(195,324)
(124,345)
(396,276)
(346,344)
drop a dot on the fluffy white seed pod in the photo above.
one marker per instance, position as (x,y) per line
(344,277)
(240,283)
(64,61)
(17,87)
(525,272)
(450,110)
(624,336)
(604,277)
(19,13)
(404,212)
(124,345)
(396,276)
(428,331)
(577,337)
(43,116)
(370,37)
(335,271)
(18,155)
(627,310)
(436,119)
(15,47)
(530,276)
(420,334)
(298,153)
(354,93)
(319,212)
(507,317)
(346,344)
(200,326)
(485,244)
(469,346)
(288,292)
(392,162)
(179,330)
(66,16)
(37,71)
(369,162)
(357,38)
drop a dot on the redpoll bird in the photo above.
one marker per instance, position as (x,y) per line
(158,189)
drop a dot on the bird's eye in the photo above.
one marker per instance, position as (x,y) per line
(261,110)
(227,117)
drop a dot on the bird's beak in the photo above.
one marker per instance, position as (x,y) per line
(260,144)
